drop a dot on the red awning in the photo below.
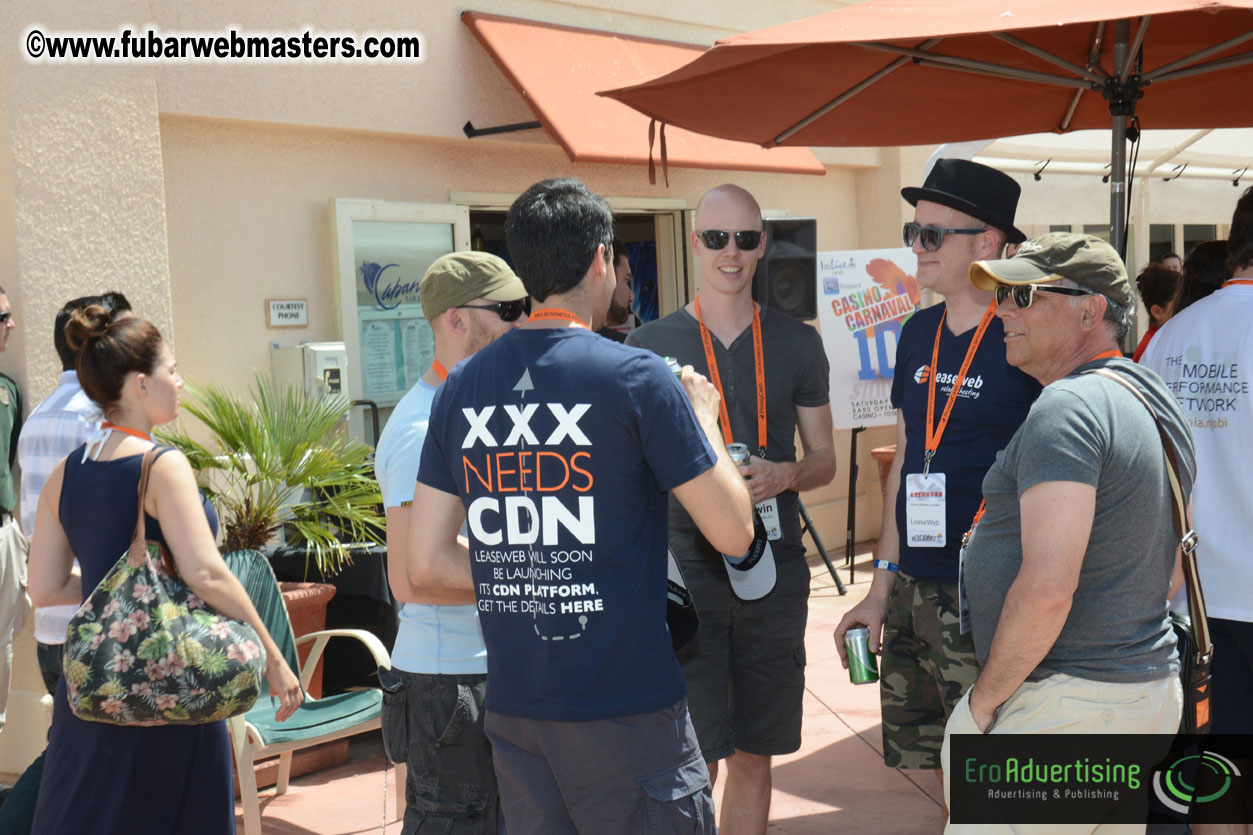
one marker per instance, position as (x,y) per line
(558,69)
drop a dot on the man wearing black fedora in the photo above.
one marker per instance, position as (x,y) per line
(958,403)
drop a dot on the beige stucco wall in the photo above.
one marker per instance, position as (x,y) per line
(456,81)
(84,212)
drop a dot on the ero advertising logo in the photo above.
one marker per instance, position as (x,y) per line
(1176,785)
(1137,778)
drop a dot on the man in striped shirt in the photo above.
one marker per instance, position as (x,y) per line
(56,427)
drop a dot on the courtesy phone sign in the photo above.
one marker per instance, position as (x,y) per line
(864,297)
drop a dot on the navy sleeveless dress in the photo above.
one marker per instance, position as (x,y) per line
(106,779)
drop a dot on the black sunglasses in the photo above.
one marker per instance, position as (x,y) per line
(745,239)
(932,237)
(1023,294)
(508,311)
(5,317)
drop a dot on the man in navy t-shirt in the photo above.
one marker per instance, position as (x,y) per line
(945,442)
(557,448)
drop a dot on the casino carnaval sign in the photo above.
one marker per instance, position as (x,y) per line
(865,298)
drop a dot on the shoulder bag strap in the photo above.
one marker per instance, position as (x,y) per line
(1183,525)
(139,543)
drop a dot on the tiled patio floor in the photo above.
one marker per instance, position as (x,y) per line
(836,783)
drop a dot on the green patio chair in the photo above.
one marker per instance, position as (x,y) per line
(255,735)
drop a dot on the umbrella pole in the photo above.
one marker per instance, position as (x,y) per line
(1118,188)
(1118,151)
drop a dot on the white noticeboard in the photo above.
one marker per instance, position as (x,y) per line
(864,296)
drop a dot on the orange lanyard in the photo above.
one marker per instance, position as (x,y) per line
(557,313)
(935,433)
(134,433)
(439,369)
(983,505)
(759,370)
(1232,281)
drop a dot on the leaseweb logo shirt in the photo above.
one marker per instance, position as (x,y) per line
(561,445)
(944,382)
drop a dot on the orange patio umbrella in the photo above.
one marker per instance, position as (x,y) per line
(912,72)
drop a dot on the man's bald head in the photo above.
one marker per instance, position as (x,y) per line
(728,194)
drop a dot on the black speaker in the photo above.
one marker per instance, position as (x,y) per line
(787,276)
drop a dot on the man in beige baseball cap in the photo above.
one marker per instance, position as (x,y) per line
(1046,269)
(460,278)
(470,299)
(1065,575)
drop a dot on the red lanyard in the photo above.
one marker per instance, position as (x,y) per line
(439,369)
(759,371)
(558,313)
(935,433)
(134,433)
(983,505)
(1232,281)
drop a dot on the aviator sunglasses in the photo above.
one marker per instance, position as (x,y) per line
(932,237)
(1023,294)
(508,311)
(745,239)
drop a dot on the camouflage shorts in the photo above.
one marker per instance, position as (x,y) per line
(925,666)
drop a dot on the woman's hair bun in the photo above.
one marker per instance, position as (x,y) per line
(87,325)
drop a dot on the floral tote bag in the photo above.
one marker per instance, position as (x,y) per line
(144,650)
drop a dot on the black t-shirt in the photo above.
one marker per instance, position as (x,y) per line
(796,374)
(993,402)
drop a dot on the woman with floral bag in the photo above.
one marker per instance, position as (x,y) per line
(119,778)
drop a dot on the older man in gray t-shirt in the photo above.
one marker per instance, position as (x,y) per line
(1068,572)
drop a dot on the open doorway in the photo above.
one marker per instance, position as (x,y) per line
(655,288)
(638,233)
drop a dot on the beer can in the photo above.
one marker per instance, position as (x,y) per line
(863,667)
(675,366)
(738,453)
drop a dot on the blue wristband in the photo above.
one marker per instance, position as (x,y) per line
(887,566)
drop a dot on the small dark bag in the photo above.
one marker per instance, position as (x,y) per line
(1196,652)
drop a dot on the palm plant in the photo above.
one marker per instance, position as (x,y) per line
(278,459)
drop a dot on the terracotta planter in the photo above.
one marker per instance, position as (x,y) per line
(306,607)
(884,456)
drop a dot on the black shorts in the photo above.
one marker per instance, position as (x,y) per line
(745,668)
(434,723)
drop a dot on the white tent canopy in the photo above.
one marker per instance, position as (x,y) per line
(1225,154)
(1211,161)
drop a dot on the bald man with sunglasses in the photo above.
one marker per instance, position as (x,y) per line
(745,669)
(439,662)
(945,442)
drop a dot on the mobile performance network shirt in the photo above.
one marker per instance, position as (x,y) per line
(1205,356)
(562,445)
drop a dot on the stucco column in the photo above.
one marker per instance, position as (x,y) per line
(83,211)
